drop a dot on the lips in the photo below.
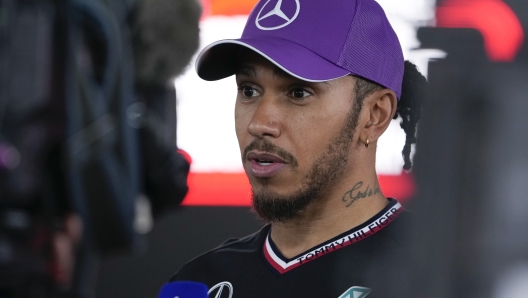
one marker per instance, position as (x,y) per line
(264,165)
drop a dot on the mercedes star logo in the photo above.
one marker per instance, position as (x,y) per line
(277,11)
(221,286)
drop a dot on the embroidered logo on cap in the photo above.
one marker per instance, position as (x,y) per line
(275,17)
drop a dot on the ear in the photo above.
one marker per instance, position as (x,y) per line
(380,108)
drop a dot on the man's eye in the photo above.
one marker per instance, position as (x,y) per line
(300,93)
(248,91)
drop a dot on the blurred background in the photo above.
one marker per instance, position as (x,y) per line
(97,96)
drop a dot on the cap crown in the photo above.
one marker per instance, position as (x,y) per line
(352,34)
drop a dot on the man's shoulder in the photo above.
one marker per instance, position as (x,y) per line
(401,229)
(391,230)
(247,242)
(233,252)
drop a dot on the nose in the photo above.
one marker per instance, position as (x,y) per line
(265,120)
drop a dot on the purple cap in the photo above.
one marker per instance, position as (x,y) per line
(314,41)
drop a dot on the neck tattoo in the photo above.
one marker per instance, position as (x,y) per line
(357,193)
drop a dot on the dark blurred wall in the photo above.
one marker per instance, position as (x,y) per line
(471,168)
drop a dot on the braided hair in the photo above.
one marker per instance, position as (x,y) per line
(409,106)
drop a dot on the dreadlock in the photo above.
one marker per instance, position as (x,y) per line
(409,106)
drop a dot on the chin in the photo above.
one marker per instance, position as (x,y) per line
(272,206)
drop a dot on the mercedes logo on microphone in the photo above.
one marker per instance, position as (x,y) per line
(282,18)
(220,287)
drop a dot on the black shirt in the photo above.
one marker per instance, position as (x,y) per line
(349,264)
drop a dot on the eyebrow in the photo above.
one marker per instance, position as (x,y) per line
(250,71)
(246,70)
(279,73)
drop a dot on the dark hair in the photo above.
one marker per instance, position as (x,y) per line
(409,106)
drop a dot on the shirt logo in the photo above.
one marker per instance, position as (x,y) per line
(279,16)
(220,287)
(355,292)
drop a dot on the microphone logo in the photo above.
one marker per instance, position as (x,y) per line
(355,292)
(279,16)
(219,289)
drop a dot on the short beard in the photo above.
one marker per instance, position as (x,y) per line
(324,174)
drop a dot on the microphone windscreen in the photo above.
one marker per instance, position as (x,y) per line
(183,289)
(165,37)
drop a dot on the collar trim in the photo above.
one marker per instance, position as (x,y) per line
(374,225)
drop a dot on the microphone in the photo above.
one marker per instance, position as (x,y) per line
(183,289)
(165,34)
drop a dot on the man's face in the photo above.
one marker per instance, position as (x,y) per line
(295,136)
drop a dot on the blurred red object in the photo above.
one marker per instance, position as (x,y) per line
(227,7)
(496,21)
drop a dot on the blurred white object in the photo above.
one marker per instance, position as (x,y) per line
(513,282)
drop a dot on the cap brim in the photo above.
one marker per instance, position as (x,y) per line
(219,60)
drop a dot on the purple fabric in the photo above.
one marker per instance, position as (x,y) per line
(315,40)
(372,49)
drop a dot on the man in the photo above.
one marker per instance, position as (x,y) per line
(318,84)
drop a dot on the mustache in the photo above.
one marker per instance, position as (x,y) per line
(268,147)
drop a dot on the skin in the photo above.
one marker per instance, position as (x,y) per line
(302,118)
(64,247)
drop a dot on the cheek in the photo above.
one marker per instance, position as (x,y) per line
(242,119)
(312,133)
(317,123)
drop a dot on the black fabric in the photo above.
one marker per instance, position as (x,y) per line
(372,262)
